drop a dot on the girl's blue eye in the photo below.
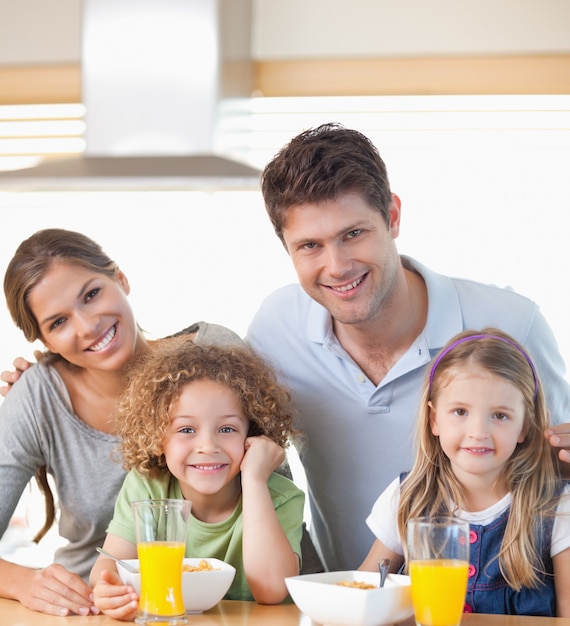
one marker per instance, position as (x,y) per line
(228,429)
(186,430)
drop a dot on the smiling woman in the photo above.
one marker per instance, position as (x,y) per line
(63,289)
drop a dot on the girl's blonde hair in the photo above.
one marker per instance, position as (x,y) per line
(156,382)
(530,474)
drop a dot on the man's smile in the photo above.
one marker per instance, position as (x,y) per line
(349,286)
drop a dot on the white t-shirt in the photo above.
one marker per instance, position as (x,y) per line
(382,520)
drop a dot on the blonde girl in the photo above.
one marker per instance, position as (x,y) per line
(482,456)
(210,425)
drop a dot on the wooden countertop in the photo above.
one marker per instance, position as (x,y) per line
(233,613)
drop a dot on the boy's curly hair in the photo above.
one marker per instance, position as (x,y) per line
(155,383)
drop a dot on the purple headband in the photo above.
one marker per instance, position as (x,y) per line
(484,336)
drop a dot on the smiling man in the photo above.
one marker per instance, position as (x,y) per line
(354,338)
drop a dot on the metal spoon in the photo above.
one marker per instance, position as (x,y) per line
(383,568)
(127,566)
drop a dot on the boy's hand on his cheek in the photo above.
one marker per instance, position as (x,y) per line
(262,456)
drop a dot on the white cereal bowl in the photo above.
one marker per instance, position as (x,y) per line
(321,598)
(202,590)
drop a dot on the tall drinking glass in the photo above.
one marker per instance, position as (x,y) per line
(438,549)
(161,527)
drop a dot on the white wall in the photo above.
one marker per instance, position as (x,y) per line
(36,31)
(285,29)
(39,31)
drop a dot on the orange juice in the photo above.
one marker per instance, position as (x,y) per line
(438,591)
(161,578)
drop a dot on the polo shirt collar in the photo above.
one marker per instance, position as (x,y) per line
(444,318)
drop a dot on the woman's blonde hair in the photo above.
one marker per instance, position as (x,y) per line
(156,382)
(530,474)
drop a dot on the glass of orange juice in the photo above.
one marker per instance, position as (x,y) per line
(438,562)
(161,527)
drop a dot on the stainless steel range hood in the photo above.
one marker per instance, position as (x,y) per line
(153,75)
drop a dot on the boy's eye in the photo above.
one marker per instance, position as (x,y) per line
(186,430)
(227,429)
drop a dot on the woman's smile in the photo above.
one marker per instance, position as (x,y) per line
(105,341)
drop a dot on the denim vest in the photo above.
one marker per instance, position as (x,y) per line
(487,590)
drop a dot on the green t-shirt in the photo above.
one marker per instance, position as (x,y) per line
(222,540)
